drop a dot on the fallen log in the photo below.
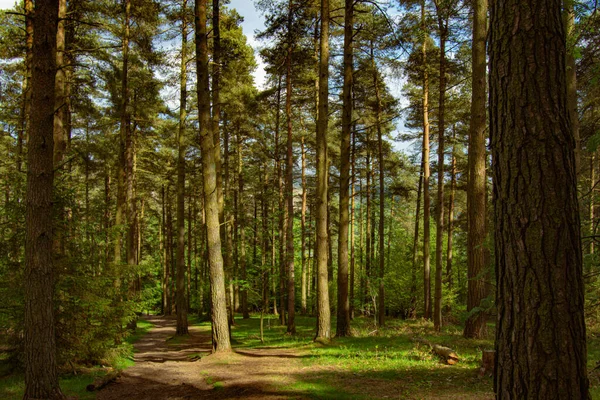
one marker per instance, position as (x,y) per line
(449,355)
(102,381)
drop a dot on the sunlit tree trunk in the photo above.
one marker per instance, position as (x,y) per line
(323,311)
(220,326)
(182,323)
(475,326)
(343,306)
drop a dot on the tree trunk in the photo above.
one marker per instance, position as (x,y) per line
(475,326)
(439,236)
(541,335)
(426,174)
(412,313)
(352,223)
(343,306)
(182,322)
(449,255)
(323,311)
(41,378)
(241,213)
(289,184)
(381,227)
(303,283)
(220,328)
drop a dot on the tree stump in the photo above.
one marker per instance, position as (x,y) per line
(488,358)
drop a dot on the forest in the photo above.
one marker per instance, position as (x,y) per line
(407,207)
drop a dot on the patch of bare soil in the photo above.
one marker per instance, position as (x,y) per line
(168,368)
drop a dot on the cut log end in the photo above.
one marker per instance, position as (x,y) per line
(446,353)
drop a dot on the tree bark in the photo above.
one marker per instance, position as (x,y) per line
(220,328)
(289,184)
(241,214)
(182,322)
(475,326)
(449,255)
(426,174)
(323,311)
(343,306)
(439,236)
(541,335)
(41,377)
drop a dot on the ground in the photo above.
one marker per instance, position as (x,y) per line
(170,367)
(385,363)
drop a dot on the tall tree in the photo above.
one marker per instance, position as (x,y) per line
(540,336)
(220,326)
(323,311)
(289,180)
(426,173)
(182,323)
(343,317)
(475,326)
(41,377)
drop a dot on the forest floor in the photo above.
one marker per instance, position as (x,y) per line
(379,365)
(385,363)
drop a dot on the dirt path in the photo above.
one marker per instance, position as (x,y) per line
(169,369)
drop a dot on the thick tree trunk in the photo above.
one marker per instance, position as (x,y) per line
(182,322)
(540,333)
(426,174)
(343,306)
(41,378)
(323,311)
(475,326)
(220,327)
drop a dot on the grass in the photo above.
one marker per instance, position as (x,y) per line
(386,360)
(13,386)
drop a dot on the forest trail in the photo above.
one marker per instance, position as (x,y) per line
(168,367)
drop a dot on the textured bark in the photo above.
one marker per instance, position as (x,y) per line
(163,252)
(323,311)
(426,175)
(439,215)
(182,322)
(220,328)
(229,227)
(289,184)
(540,338)
(368,227)
(41,378)
(343,304)
(170,267)
(216,108)
(475,326)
